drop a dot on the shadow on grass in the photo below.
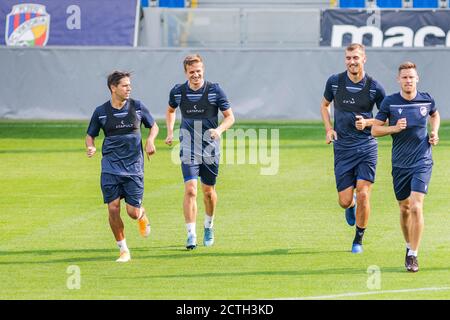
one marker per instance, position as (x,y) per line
(164,252)
(44,151)
(177,252)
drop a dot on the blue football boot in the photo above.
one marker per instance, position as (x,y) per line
(208,238)
(357,248)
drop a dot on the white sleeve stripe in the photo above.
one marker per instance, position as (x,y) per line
(410,105)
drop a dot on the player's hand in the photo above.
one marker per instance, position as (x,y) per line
(401,124)
(215,134)
(169,139)
(90,151)
(150,149)
(331,136)
(434,138)
(360,123)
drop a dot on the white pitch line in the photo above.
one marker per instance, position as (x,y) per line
(355,294)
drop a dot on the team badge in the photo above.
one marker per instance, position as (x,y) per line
(27,25)
(423,111)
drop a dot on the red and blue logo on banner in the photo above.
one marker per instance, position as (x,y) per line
(27,25)
(69,22)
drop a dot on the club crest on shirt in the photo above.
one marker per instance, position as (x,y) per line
(400,111)
(423,111)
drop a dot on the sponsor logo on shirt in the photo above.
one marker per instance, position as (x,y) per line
(195,110)
(351,101)
(123,125)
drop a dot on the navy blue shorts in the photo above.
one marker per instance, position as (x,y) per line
(358,164)
(207,172)
(411,179)
(129,187)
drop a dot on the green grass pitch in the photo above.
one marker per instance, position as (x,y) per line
(277,237)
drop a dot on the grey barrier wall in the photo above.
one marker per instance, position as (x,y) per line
(68,82)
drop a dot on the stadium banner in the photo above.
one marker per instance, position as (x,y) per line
(385,28)
(37,23)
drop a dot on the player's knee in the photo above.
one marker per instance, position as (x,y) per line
(209,195)
(362,196)
(191,192)
(134,213)
(345,204)
(114,209)
(405,209)
(415,209)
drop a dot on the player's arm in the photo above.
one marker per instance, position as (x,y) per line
(331,135)
(435,123)
(90,146)
(150,148)
(170,123)
(379,129)
(227,122)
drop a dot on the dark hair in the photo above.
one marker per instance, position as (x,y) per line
(191,59)
(115,77)
(407,65)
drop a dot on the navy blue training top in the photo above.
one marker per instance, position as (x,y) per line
(199,111)
(216,98)
(122,153)
(348,137)
(410,147)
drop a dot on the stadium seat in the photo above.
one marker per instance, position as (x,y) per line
(172,3)
(425,4)
(352,3)
(389,3)
(144,3)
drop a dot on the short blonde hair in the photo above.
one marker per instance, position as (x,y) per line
(190,60)
(355,46)
(407,65)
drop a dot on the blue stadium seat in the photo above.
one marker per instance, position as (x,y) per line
(425,4)
(389,3)
(172,3)
(352,3)
(144,3)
